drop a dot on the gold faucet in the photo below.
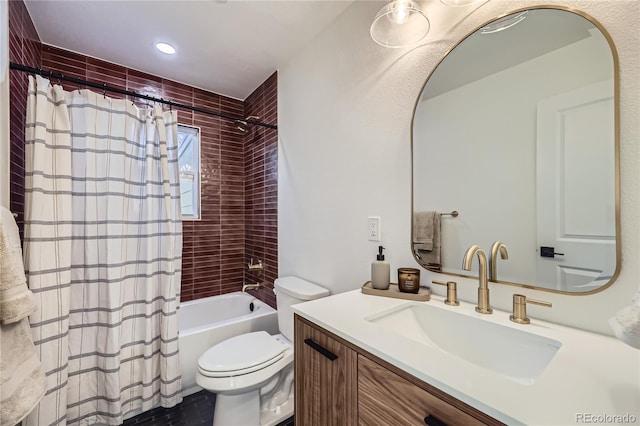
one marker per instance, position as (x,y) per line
(246,287)
(498,246)
(483,290)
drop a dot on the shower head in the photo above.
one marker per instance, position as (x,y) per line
(243,125)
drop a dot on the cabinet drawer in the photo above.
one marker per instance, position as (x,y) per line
(384,398)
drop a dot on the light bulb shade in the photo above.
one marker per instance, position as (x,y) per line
(504,23)
(458,2)
(400,23)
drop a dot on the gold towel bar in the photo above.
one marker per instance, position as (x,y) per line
(453,213)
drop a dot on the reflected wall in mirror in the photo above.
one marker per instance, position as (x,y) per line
(517,129)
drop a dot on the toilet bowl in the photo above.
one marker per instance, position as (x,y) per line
(252,373)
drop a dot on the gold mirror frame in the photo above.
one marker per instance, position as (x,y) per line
(616,97)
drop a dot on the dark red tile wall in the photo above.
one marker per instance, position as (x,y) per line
(24,48)
(217,247)
(261,188)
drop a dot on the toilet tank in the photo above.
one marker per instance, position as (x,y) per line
(289,291)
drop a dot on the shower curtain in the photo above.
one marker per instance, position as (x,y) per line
(103,244)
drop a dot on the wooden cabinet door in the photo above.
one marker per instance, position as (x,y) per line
(384,399)
(325,378)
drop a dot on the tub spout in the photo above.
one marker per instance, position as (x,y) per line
(246,287)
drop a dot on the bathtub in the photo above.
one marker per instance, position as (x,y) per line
(205,322)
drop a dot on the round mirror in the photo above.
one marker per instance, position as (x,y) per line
(517,131)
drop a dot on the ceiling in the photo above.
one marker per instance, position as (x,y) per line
(227,47)
(542,31)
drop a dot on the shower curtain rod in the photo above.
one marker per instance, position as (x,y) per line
(105,88)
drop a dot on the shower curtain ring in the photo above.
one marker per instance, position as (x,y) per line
(104,90)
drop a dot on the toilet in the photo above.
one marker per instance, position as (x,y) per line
(252,373)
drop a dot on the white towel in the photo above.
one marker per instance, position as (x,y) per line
(16,301)
(22,381)
(626,323)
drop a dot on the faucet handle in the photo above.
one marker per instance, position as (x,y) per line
(253,266)
(452,292)
(520,308)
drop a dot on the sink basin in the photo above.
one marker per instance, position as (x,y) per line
(519,355)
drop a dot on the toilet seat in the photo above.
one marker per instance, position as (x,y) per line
(241,355)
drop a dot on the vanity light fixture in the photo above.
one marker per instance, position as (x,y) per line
(504,23)
(399,23)
(458,2)
(166,48)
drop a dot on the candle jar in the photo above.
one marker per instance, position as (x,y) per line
(409,280)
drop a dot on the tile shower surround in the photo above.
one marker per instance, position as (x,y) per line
(261,186)
(239,171)
(24,48)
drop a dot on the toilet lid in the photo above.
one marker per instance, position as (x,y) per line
(240,353)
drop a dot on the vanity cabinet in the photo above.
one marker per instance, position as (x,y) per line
(338,383)
(325,378)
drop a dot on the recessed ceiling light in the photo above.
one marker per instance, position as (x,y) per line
(166,48)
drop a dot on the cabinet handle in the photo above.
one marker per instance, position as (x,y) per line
(325,352)
(433,421)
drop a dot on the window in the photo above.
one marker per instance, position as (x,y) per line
(189,165)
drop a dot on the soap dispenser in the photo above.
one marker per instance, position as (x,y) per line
(380,272)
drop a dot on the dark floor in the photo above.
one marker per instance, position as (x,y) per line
(196,409)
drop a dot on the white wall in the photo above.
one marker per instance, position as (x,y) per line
(345,108)
(4,104)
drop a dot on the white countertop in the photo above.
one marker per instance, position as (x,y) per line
(590,375)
